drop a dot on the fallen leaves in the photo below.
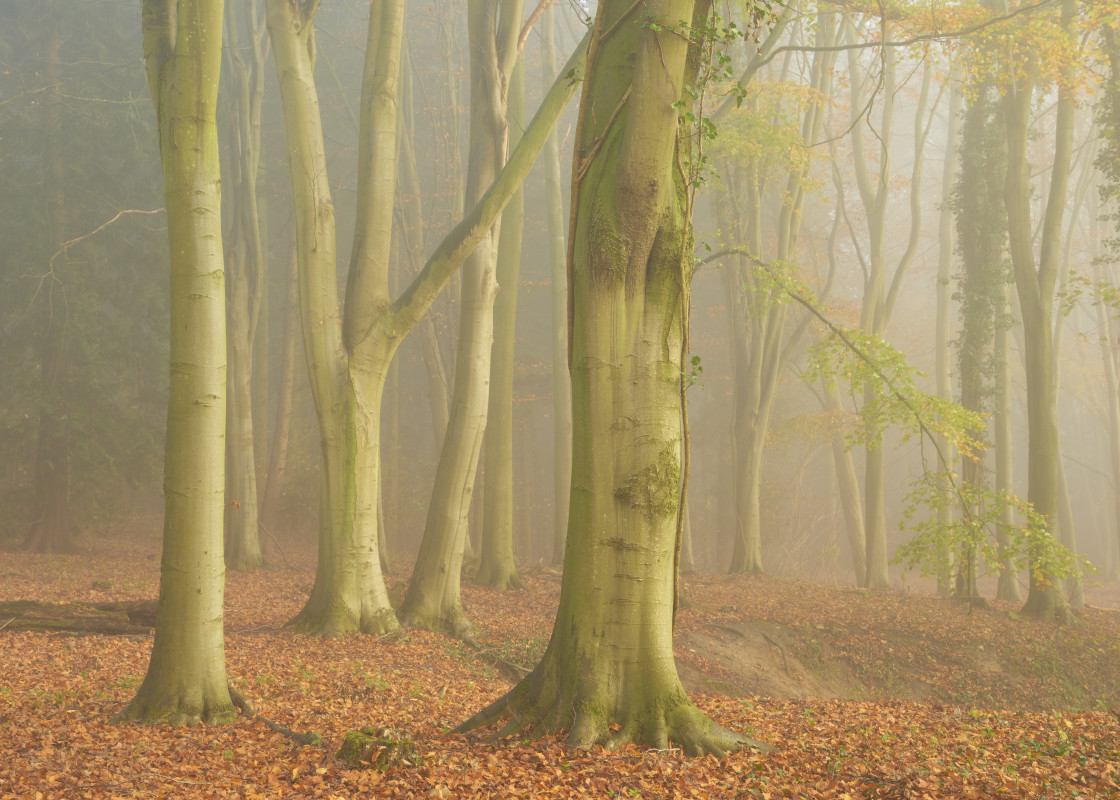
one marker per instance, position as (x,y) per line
(57,693)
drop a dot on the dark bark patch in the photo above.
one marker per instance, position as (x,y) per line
(653,489)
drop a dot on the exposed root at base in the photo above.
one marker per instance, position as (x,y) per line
(530,709)
(145,710)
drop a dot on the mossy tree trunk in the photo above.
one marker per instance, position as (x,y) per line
(433,599)
(608,674)
(348,359)
(245,272)
(186,677)
(981,222)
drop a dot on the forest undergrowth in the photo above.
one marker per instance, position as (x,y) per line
(862,694)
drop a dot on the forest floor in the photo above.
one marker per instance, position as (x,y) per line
(862,694)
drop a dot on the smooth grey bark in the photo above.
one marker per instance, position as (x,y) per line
(186,677)
(557,253)
(496,565)
(1035,284)
(50,533)
(245,274)
(433,598)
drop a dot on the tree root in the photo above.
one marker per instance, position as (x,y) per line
(248,712)
(535,707)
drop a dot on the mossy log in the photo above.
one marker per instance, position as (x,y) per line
(379,748)
(123,618)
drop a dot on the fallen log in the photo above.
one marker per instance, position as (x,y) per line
(122,618)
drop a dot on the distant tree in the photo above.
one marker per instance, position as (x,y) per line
(186,677)
(1036,278)
(982,235)
(245,37)
(881,284)
(496,565)
(557,251)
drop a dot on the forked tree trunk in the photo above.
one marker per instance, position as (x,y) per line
(186,677)
(1036,289)
(348,362)
(608,674)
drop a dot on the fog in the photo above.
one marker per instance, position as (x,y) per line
(84,333)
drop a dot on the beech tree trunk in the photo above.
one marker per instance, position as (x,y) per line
(245,270)
(348,362)
(557,252)
(608,674)
(1035,284)
(496,565)
(433,599)
(186,677)
(50,533)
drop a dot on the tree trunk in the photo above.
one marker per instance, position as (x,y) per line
(348,362)
(433,598)
(496,566)
(557,251)
(186,677)
(269,520)
(1036,290)
(245,271)
(1008,586)
(942,350)
(50,532)
(608,674)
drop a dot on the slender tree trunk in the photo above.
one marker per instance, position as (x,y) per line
(186,677)
(245,268)
(1008,586)
(557,251)
(496,566)
(608,674)
(50,532)
(942,334)
(433,598)
(278,450)
(1036,290)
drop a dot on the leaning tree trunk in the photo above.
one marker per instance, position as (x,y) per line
(186,678)
(608,674)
